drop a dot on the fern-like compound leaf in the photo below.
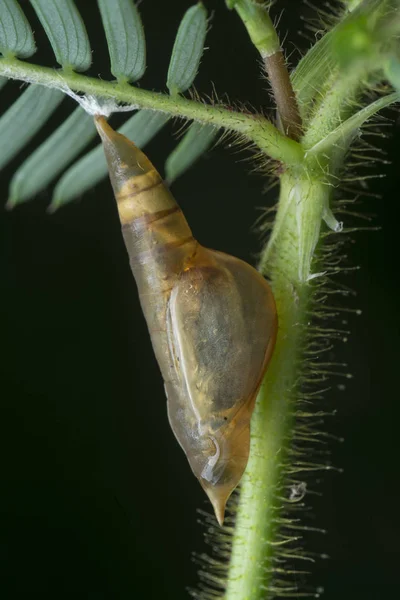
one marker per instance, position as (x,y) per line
(92,167)
(188,49)
(25,118)
(52,157)
(66,32)
(16,37)
(125,38)
(195,142)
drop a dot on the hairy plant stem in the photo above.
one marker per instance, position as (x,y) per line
(261,30)
(255,128)
(285,98)
(288,260)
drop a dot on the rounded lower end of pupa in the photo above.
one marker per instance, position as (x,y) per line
(218,496)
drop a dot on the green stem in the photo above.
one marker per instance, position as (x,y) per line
(259,25)
(254,127)
(261,30)
(289,257)
(255,541)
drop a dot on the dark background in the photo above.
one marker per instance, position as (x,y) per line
(97,500)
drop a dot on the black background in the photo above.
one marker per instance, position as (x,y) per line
(97,500)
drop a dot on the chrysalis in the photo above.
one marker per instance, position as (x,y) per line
(211,318)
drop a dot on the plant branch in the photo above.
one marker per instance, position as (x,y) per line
(262,33)
(278,75)
(265,493)
(255,128)
(260,546)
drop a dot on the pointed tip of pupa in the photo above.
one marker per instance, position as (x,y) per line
(219,510)
(218,496)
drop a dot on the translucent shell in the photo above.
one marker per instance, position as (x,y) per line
(221,331)
(211,317)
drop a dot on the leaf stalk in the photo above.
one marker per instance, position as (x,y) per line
(255,128)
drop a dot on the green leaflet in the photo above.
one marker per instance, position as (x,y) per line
(311,74)
(92,168)
(345,133)
(24,118)
(3,81)
(16,37)
(188,49)
(66,31)
(125,38)
(52,157)
(195,142)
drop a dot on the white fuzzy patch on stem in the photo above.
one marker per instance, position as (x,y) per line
(94,105)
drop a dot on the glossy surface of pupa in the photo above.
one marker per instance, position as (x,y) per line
(211,318)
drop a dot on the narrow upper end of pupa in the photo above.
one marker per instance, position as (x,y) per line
(120,149)
(101,124)
(117,148)
(124,159)
(105,131)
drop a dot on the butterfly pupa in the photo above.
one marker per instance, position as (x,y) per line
(211,318)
